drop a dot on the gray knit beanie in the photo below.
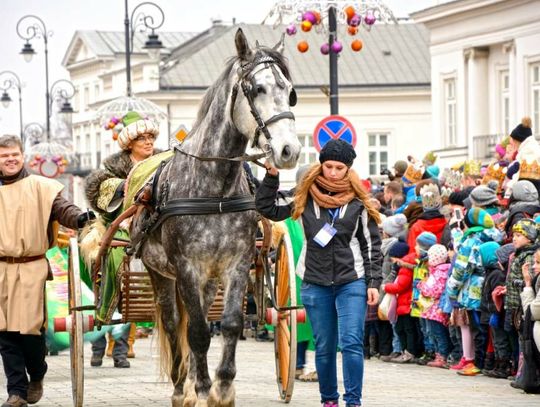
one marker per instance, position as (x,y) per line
(394,225)
(484,195)
(524,191)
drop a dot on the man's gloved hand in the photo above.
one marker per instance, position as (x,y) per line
(84,218)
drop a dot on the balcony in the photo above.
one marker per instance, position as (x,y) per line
(81,164)
(484,146)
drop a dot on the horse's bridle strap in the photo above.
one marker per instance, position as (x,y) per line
(244,157)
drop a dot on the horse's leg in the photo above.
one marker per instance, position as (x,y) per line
(198,333)
(222,392)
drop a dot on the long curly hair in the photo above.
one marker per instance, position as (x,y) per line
(302,192)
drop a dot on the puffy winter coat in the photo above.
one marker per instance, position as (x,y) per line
(402,287)
(432,288)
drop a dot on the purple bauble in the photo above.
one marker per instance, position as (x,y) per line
(291,29)
(370,18)
(336,47)
(355,21)
(325,49)
(309,16)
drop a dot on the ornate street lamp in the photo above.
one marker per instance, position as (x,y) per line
(144,21)
(48,157)
(311,14)
(12,81)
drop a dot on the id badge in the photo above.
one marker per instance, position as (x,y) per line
(325,235)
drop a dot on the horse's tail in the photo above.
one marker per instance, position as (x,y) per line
(182,350)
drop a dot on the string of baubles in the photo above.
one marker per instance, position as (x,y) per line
(312,18)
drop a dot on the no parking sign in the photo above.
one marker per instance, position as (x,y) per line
(333,127)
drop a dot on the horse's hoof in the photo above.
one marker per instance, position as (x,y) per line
(201,403)
(177,400)
(217,398)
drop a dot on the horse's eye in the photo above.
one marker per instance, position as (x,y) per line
(260,89)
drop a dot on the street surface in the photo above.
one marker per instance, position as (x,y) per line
(384,384)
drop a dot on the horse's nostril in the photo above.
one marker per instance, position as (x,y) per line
(286,152)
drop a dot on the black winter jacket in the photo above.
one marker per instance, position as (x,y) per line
(354,251)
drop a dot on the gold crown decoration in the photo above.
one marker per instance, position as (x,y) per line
(505,141)
(429,159)
(431,197)
(445,192)
(412,175)
(452,180)
(529,171)
(472,168)
(495,172)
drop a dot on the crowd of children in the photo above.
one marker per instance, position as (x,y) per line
(462,258)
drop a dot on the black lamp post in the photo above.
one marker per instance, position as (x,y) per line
(153,45)
(28,28)
(12,81)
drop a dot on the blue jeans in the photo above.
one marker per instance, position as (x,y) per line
(337,315)
(301,349)
(439,336)
(428,344)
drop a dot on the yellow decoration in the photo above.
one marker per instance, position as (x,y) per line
(472,168)
(495,173)
(529,171)
(412,175)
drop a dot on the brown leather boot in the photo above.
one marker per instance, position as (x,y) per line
(15,401)
(110,345)
(131,340)
(35,391)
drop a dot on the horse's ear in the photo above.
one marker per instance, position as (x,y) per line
(242,46)
(257,45)
(280,46)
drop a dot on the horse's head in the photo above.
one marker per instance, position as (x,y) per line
(262,100)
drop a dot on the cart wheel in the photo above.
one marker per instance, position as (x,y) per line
(76,343)
(285,325)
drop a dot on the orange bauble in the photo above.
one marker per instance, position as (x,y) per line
(356,45)
(317,16)
(349,11)
(302,46)
(306,25)
(352,30)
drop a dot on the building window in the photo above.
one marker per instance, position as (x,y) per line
(450,112)
(504,109)
(377,152)
(88,146)
(107,150)
(86,97)
(76,99)
(309,153)
(96,92)
(535,93)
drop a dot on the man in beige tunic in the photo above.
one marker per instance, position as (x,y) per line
(28,206)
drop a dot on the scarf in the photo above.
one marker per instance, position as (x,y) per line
(341,191)
(6,180)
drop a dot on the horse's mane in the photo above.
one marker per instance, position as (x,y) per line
(223,79)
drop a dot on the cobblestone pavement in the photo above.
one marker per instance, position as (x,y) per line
(384,384)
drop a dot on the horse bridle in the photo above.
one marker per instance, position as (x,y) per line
(247,82)
(249,87)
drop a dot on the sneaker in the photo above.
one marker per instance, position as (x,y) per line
(121,363)
(15,401)
(462,363)
(388,358)
(330,403)
(35,391)
(425,358)
(516,385)
(405,357)
(439,361)
(469,370)
(96,360)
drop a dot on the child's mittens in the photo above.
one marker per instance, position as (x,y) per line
(494,320)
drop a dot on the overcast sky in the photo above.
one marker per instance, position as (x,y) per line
(64,17)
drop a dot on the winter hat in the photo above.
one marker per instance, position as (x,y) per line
(337,150)
(394,225)
(425,240)
(478,217)
(458,197)
(500,150)
(398,249)
(488,253)
(400,167)
(484,195)
(524,191)
(503,253)
(437,254)
(522,130)
(526,227)
(134,126)
(433,171)
(431,197)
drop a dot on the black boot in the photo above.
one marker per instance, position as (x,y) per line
(503,370)
(489,361)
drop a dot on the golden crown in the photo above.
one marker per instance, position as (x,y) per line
(505,141)
(529,171)
(431,198)
(472,168)
(452,179)
(412,175)
(429,159)
(495,173)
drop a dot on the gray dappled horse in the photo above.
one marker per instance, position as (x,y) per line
(188,256)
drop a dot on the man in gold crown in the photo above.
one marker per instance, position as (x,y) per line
(471,173)
(526,165)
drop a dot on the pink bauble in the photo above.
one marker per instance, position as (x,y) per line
(309,16)
(291,29)
(337,47)
(370,18)
(325,49)
(355,21)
